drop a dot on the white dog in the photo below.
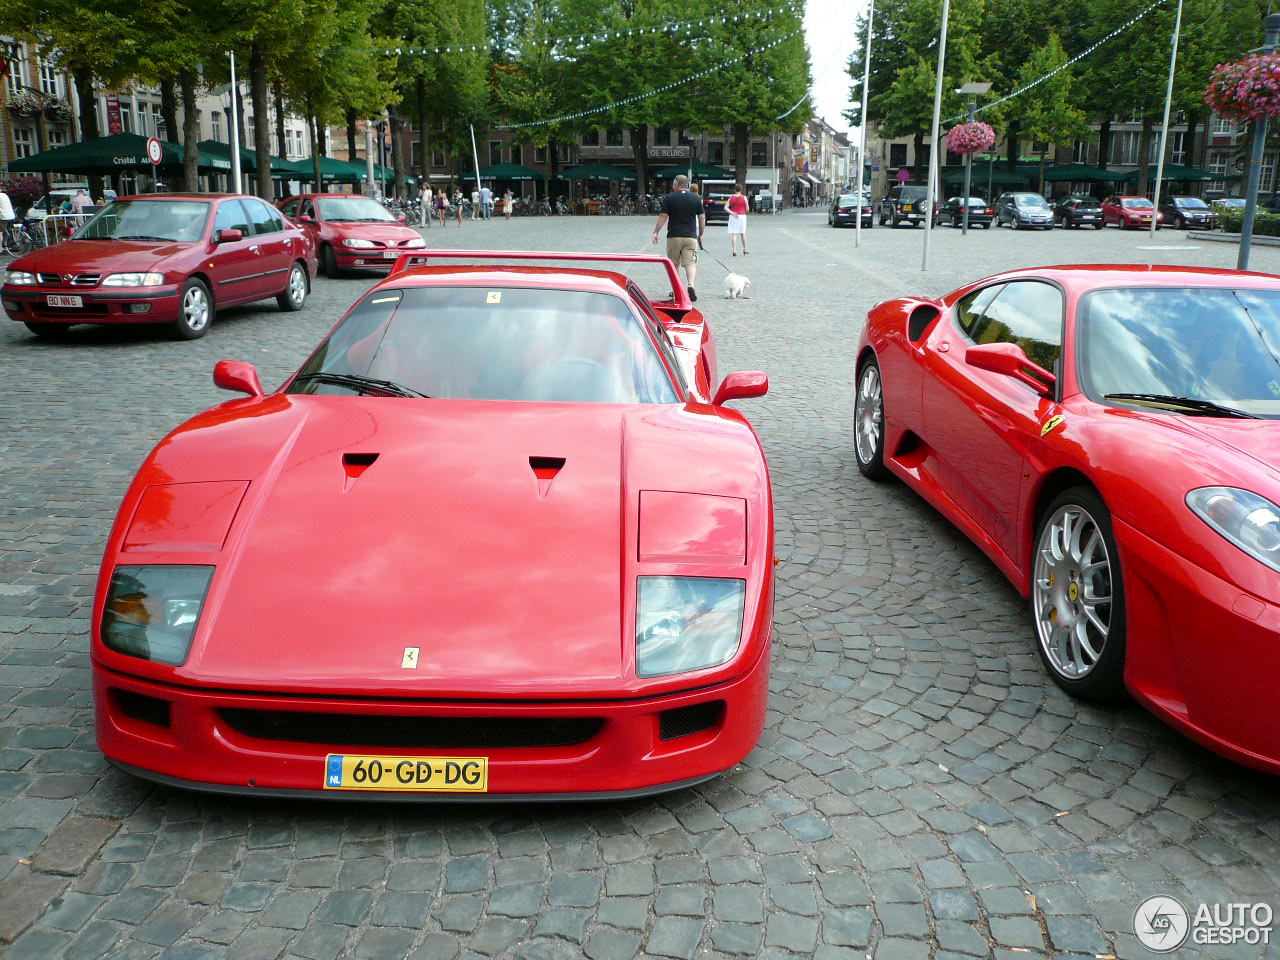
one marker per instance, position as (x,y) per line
(735,285)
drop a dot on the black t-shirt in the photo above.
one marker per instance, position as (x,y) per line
(682,208)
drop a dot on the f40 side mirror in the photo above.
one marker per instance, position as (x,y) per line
(1012,361)
(741,385)
(237,375)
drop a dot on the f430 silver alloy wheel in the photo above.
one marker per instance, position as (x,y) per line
(1072,591)
(869,413)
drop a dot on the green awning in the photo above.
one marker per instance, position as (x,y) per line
(701,171)
(1081,172)
(983,175)
(596,171)
(1173,171)
(508,171)
(216,155)
(101,155)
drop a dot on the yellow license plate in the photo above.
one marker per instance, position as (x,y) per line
(344,771)
(908,206)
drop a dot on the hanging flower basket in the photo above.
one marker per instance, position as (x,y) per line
(970,138)
(57,111)
(24,103)
(1247,90)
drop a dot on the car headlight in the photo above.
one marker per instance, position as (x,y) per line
(133,280)
(415,243)
(151,611)
(1249,521)
(357,243)
(686,623)
(19,278)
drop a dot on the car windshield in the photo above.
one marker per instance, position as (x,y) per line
(353,210)
(1207,344)
(1136,203)
(1086,204)
(170,220)
(913,193)
(485,343)
(1191,203)
(1029,200)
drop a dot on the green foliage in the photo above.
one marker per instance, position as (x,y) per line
(22,192)
(1264,224)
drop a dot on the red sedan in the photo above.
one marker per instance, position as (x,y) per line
(170,258)
(499,535)
(351,231)
(1126,212)
(1107,436)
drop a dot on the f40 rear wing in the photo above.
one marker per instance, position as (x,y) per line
(421,257)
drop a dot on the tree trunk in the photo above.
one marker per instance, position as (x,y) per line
(741,157)
(397,155)
(1144,156)
(259,58)
(640,150)
(89,129)
(242,122)
(918,167)
(190,129)
(169,113)
(277,95)
(318,184)
(1012,145)
(1040,186)
(553,155)
(1104,143)
(1189,139)
(351,134)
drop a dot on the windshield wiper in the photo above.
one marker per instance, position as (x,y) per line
(362,384)
(1190,405)
(142,237)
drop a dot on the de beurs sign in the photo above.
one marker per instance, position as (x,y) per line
(626,153)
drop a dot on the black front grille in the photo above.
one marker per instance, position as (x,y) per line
(412,732)
(683,721)
(139,706)
(51,279)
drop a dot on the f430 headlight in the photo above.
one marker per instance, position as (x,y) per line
(152,610)
(1249,521)
(686,623)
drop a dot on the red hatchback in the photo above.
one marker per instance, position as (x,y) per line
(1127,212)
(170,258)
(1119,465)
(351,231)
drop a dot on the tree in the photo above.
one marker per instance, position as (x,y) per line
(1048,111)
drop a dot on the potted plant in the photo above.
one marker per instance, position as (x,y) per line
(965,138)
(1246,90)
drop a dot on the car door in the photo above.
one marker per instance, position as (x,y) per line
(275,247)
(981,424)
(233,266)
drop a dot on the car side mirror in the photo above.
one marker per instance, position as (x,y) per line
(742,385)
(1012,361)
(305,218)
(237,375)
(227,235)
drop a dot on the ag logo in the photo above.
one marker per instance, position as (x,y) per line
(1161,924)
(410,659)
(1052,424)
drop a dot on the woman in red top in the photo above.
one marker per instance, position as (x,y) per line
(737,207)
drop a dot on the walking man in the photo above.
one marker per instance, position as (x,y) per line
(486,201)
(685,219)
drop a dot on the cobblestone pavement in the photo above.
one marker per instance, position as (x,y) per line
(922,790)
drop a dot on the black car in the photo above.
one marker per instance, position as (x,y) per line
(844,210)
(1020,210)
(903,204)
(952,212)
(1188,213)
(713,205)
(1078,212)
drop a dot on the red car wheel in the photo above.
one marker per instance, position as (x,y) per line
(1077,596)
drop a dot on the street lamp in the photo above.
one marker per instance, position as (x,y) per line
(972,90)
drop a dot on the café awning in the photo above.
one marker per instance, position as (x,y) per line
(99,156)
(701,171)
(1082,172)
(596,171)
(508,171)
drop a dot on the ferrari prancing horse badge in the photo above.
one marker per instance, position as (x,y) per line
(410,659)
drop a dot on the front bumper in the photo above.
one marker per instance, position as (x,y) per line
(197,745)
(1201,653)
(119,305)
(374,259)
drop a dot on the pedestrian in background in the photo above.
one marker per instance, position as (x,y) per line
(457,204)
(80,201)
(737,207)
(486,202)
(425,201)
(7,215)
(686,221)
(508,201)
(442,207)
(475,204)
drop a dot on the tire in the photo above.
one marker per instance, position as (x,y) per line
(295,291)
(195,311)
(868,422)
(895,223)
(1098,226)
(329,262)
(882,219)
(1083,653)
(48,331)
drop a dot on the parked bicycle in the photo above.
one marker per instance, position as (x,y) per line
(21,236)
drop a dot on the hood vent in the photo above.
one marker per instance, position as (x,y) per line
(545,470)
(354,464)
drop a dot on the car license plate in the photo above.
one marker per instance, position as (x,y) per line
(390,254)
(57,300)
(407,774)
(908,206)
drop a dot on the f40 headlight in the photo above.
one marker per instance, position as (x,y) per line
(152,610)
(686,623)
(1249,521)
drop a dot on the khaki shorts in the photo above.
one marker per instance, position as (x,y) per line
(682,251)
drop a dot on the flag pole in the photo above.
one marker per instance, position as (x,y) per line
(933,137)
(1164,127)
(862,146)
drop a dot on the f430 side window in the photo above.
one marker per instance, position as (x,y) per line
(969,309)
(1028,313)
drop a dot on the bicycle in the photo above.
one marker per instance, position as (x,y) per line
(18,239)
